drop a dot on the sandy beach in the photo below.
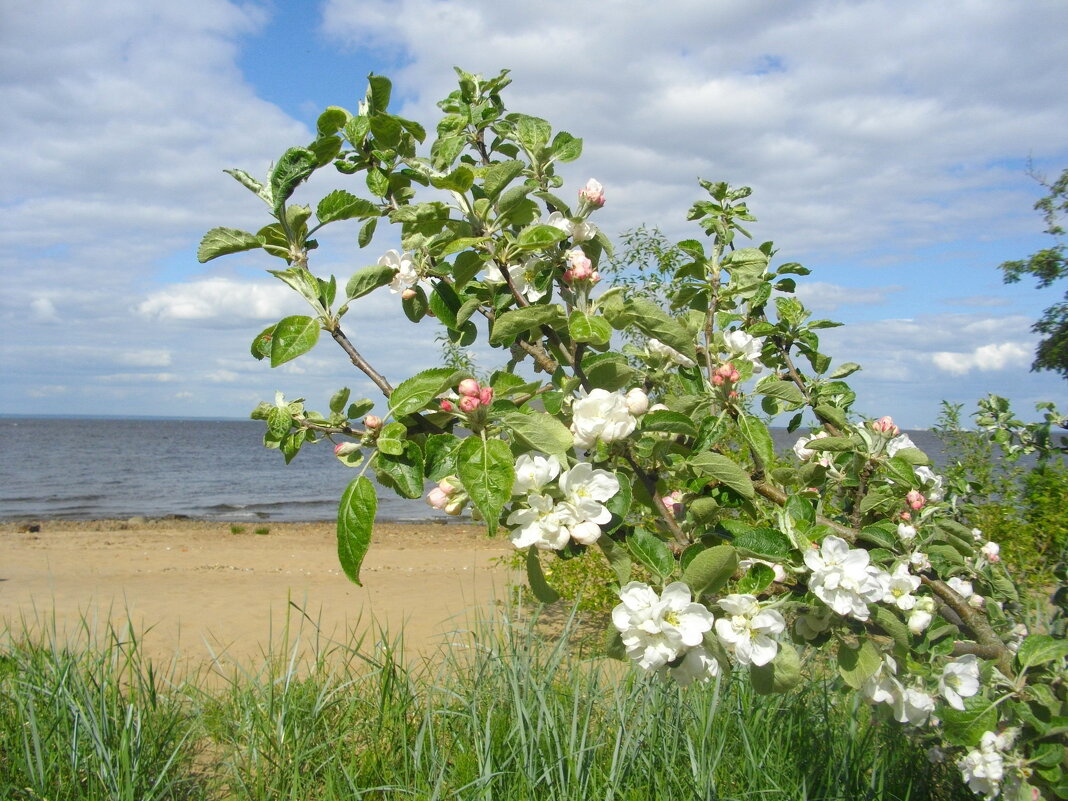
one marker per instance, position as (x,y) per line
(199,590)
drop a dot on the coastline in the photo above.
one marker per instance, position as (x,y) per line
(196,591)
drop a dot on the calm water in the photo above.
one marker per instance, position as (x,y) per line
(83,469)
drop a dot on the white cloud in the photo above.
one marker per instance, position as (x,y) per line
(47,391)
(137,378)
(824,297)
(145,358)
(223,300)
(44,310)
(995,356)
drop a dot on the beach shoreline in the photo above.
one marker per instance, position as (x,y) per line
(218,592)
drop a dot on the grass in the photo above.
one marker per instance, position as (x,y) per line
(500,712)
(262,530)
(237,529)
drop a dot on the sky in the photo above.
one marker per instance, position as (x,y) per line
(887,143)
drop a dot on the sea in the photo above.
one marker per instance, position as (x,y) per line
(89,468)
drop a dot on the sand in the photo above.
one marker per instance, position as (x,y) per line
(197,590)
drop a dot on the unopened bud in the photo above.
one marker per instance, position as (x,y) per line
(373,422)
(885,425)
(345,448)
(486,395)
(581,268)
(592,193)
(468,403)
(408,294)
(637,401)
(469,387)
(437,499)
(915,500)
(454,507)
(446,405)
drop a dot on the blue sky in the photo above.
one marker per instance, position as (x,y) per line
(886,143)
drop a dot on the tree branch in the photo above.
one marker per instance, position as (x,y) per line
(360,362)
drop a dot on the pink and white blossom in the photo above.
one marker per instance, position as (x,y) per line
(601,416)
(744,346)
(533,472)
(592,193)
(843,578)
(668,353)
(983,768)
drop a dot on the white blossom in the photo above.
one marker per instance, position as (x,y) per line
(932,483)
(747,630)
(744,346)
(805,453)
(983,768)
(541,523)
(522,277)
(534,472)
(899,443)
(919,561)
(921,615)
(778,570)
(962,587)
(843,578)
(696,665)
(960,679)
(900,588)
(406,275)
(579,230)
(991,551)
(658,348)
(913,706)
(881,687)
(905,532)
(657,629)
(601,415)
(585,489)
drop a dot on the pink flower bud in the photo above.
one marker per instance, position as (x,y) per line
(446,487)
(408,294)
(446,406)
(906,516)
(581,267)
(372,422)
(732,394)
(345,448)
(717,379)
(486,395)
(468,403)
(885,425)
(915,500)
(468,387)
(437,499)
(595,277)
(592,193)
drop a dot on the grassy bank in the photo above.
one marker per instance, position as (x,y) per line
(501,713)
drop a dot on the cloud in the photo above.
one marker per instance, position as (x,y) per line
(824,297)
(224,301)
(996,356)
(145,358)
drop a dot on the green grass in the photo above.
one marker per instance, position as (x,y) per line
(237,529)
(499,713)
(262,530)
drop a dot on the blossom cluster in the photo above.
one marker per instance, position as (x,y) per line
(558,506)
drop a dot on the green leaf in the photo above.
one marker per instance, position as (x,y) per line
(781,675)
(652,321)
(355,520)
(539,237)
(533,133)
(379,88)
(609,371)
(499,175)
(222,241)
(251,184)
(261,345)
(759,439)
(966,727)
(342,205)
(913,456)
(415,393)
(589,328)
(836,444)
(846,369)
(290,444)
(566,147)
(440,455)
(710,569)
(670,422)
(391,439)
(786,391)
(279,420)
(764,542)
(294,167)
(833,415)
(401,472)
(756,579)
(332,120)
(618,558)
(459,180)
(725,472)
(651,552)
(367,230)
(539,431)
(292,337)
(339,399)
(518,321)
(487,471)
(892,625)
(1037,649)
(857,665)
(368,279)
(536,578)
